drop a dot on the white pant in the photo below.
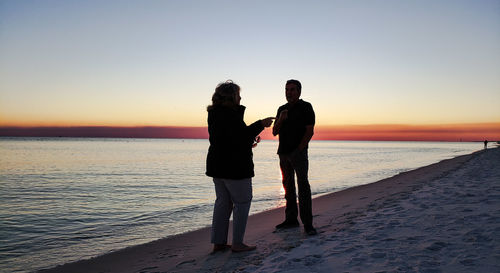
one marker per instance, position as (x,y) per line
(231,194)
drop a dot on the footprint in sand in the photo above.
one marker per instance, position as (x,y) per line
(436,246)
(146,269)
(188,262)
(468,262)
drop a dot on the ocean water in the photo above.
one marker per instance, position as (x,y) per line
(64,199)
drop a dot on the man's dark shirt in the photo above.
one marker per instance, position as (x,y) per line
(292,130)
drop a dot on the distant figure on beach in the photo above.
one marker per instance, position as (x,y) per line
(295,127)
(229,162)
(486,144)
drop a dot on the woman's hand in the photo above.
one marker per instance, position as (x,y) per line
(267,121)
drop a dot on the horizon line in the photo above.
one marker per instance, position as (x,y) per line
(465,132)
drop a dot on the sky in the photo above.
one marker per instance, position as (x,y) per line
(157,63)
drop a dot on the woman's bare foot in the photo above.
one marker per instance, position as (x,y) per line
(220,247)
(242,248)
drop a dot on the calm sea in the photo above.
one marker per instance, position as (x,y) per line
(64,199)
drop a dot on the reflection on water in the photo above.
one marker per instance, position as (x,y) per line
(76,198)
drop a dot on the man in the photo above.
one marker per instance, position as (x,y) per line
(295,126)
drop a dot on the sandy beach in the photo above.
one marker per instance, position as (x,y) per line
(444,217)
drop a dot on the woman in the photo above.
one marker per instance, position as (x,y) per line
(229,162)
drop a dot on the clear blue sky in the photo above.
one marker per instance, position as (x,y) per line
(158,62)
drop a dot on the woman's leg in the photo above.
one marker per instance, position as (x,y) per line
(222,211)
(241,195)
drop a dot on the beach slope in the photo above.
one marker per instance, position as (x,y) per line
(444,217)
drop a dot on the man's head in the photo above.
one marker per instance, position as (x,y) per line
(293,89)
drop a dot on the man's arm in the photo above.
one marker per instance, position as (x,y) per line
(276,127)
(307,137)
(279,120)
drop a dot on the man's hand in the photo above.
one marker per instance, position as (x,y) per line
(283,115)
(307,137)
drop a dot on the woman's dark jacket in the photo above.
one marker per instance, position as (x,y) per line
(230,152)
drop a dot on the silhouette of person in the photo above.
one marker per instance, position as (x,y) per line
(486,144)
(295,127)
(230,164)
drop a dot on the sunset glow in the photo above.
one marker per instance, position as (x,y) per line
(448,132)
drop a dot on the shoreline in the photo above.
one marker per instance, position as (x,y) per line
(190,252)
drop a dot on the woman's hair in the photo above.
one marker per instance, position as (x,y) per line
(225,95)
